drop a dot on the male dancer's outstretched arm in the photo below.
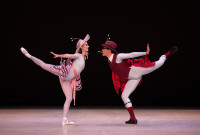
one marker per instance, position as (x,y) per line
(123,56)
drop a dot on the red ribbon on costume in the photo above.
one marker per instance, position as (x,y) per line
(73,84)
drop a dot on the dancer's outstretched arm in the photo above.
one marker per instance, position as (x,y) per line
(123,56)
(71,56)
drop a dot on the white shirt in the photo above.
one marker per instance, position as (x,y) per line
(111,57)
(122,56)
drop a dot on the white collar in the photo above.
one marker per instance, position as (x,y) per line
(111,57)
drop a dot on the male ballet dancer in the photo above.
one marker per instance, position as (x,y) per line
(127,72)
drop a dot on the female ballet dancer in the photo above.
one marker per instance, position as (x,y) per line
(68,72)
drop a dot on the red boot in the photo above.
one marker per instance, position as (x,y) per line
(133,119)
(171,51)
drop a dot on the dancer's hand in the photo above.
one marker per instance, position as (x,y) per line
(148,49)
(55,55)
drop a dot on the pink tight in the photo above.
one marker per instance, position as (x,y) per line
(66,87)
(65,84)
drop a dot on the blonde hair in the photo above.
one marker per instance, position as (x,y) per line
(79,44)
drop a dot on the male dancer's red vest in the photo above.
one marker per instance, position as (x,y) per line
(120,71)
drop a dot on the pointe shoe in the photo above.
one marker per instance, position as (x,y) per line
(67,122)
(25,52)
(131,122)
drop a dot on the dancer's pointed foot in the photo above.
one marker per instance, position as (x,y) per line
(67,122)
(173,50)
(25,52)
(131,122)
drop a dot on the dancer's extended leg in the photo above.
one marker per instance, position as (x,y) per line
(66,86)
(158,64)
(137,72)
(47,67)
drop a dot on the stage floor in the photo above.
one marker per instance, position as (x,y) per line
(99,121)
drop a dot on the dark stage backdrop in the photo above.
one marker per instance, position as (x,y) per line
(44,26)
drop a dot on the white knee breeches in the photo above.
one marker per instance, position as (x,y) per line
(138,72)
(135,75)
